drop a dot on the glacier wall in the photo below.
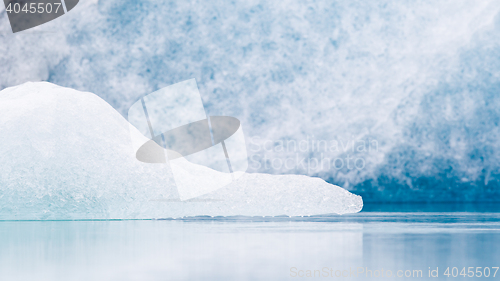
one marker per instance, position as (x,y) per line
(416,82)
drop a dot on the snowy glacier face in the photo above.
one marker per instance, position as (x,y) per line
(419,79)
(67,154)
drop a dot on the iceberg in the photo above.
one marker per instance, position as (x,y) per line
(68,155)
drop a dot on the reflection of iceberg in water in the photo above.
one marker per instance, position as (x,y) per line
(181,250)
(67,154)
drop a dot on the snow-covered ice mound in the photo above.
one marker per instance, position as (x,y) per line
(67,154)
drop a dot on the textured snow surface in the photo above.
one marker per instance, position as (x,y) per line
(421,78)
(67,154)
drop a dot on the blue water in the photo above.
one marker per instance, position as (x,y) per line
(252,248)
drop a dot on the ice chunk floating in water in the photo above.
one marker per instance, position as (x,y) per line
(67,154)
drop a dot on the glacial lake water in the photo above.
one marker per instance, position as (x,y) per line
(370,243)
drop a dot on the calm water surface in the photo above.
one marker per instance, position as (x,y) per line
(254,248)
